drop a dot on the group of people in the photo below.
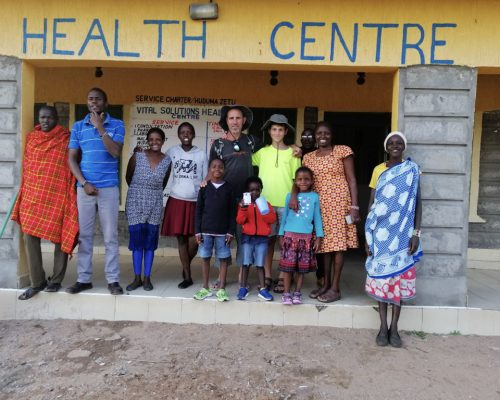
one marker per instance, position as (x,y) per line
(307,197)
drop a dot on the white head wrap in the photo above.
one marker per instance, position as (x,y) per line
(395,133)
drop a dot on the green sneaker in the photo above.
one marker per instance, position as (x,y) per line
(202,294)
(222,295)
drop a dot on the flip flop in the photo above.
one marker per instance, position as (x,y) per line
(315,293)
(329,297)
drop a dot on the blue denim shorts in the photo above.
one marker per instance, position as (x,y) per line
(254,250)
(222,250)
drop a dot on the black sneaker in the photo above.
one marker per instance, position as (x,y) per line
(115,288)
(78,287)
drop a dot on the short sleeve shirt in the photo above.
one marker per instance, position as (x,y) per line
(277,171)
(189,168)
(377,171)
(237,164)
(98,166)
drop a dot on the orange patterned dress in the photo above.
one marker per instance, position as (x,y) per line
(335,198)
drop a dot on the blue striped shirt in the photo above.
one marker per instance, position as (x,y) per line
(98,166)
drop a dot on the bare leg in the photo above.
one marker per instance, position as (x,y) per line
(268,264)
(328,267)
(206,271)
(186,253)
(260,272)
(299,279)
(332,277)
(244,270)
(287,280)
(337,270)
(223,273)
(323,266)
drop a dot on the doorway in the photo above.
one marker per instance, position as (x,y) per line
(364,133)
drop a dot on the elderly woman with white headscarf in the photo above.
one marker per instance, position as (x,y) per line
(392,232)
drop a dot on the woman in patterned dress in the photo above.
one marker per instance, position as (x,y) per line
(392,233)
(335,182)
(147,176)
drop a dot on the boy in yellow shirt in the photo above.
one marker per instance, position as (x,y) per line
(277,165)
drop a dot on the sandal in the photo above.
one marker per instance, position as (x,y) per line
(279,286)
(315,293)
(329,296)
(30,292)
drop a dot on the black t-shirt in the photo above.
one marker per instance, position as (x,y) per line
(238,165)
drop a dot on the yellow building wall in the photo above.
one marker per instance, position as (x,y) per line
(257,33)
(327,91)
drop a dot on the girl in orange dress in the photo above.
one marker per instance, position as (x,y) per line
(335,182)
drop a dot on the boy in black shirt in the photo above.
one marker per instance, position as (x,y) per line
(215,227)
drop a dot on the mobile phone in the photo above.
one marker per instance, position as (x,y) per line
(247,199)
(348,219)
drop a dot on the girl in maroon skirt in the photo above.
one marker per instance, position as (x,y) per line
(189,168)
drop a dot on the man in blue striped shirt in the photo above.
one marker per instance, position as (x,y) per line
(95,145)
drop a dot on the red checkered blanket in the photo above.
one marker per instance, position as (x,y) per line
(46,204)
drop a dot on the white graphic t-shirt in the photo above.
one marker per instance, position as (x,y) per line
(189,168)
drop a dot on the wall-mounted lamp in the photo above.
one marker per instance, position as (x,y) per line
(98,72)
(361,78)
(274,78)
(204,11)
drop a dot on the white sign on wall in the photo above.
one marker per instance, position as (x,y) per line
(168,117)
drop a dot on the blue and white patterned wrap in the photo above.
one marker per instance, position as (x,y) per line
(390,222)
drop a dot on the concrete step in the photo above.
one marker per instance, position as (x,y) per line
(167,303)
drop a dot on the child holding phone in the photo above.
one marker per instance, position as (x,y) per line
(256,227)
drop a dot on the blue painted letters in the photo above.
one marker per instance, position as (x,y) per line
(275,51)
(436,43)
(379,36)
(415,46)
(304,39)
(91,36)
(27,35)
(202,38)
(56,35)
(351,55)
(160,23)
(118,53)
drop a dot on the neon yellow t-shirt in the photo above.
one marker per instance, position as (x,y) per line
(377,171)
(277,171)
(376,174)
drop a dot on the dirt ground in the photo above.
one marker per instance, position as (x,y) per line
(126,360)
